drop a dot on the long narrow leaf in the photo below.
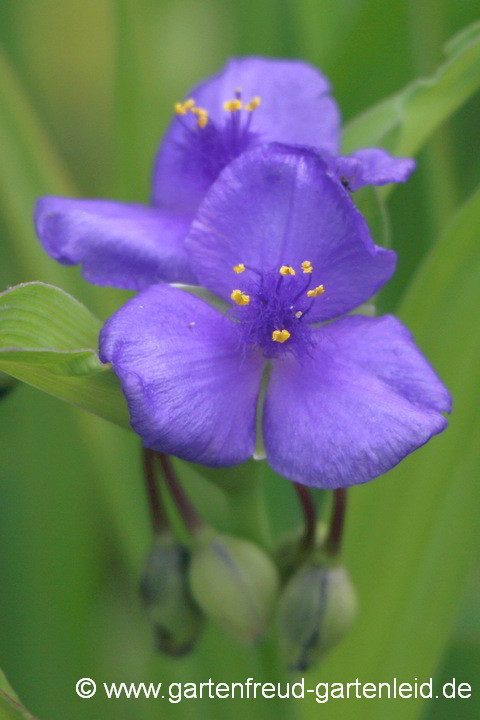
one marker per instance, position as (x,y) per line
(403,122)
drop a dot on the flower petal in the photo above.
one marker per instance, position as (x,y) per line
(124,245)
(364,400)
(276,206)
(296,107)
(189,391)
(372,166)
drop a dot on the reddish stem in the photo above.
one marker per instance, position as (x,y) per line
(157,512)
(309,514)
(188,513)
(334,539)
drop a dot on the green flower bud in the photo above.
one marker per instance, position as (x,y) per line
(235,583)
(316,609)
(164,589)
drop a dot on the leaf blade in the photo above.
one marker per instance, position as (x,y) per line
(403,122)
(48,340)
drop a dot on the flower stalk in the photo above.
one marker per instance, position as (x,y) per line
(189,515)
(309,514)
(157,510)
(337,524)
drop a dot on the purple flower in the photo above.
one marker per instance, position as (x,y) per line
(278,239)
(252,101)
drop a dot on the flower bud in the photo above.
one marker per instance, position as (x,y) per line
(164,590)
(235,583)
(316,609)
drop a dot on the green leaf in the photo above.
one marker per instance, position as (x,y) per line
(48,340)
(38,315)
(10,706)
(403,122)
(417,525)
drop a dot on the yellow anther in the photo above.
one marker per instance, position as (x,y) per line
(319,290)
(232,105)
(240,298)
(280,336)
(239,268)
(298,314)
(306,266)
(202,117)
(287,270)
(180,109)
(188,104)
(253,104)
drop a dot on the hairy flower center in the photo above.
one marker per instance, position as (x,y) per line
(272,307)
(215,145)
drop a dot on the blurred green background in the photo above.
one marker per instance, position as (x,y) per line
(87,89)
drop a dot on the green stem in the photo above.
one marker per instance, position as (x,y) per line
(274,670)
(248,507)
(250,519)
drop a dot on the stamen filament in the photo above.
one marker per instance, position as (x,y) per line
(304,289)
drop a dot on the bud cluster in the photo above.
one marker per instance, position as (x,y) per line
(238,586)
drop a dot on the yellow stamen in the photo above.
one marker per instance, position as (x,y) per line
(202,117)
(253,104)
(319,290)
(232,105)
(240,298)
(189,106)
(306,266)
(287,270)
(240,268)
(280,336)
(298,314)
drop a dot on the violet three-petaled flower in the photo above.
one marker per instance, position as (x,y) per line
(252,101)
(348,396)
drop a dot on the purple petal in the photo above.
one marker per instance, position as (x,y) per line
(296,108)
(189,391)
(127,246)
(274,206)
(372,166)
(364,400)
